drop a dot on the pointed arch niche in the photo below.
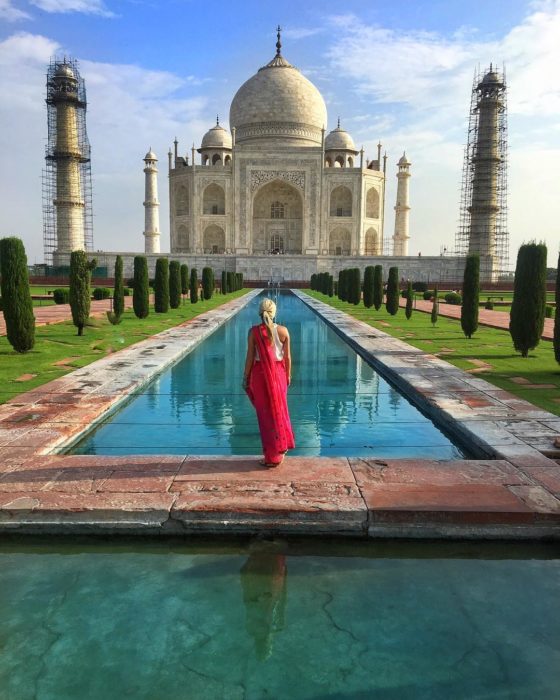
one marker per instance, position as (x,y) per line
(372,204)
(277,223)
(339,241)
(341,201)
(214,239)
(214,200)
(371,242)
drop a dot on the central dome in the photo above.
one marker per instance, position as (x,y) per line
(278,104)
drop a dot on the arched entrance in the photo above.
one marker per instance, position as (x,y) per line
(277,219)
(214,239)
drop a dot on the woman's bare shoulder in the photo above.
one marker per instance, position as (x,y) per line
(282,332)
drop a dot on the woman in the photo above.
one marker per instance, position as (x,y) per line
(266,378)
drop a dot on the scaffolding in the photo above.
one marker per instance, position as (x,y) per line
(483,205)
(67,190)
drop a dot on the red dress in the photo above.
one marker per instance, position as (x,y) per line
(268,391)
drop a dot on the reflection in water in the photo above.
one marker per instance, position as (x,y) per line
(263,581)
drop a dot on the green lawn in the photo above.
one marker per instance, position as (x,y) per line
(494,348)
(58,349)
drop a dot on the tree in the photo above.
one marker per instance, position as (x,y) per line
(330,288)
(529,297)
(141,287)
(355,286)
(161,286)
(556,337)
(224,282)
(435,307)
(194,286)
(340,285)
(16,297)
(231,281)
(471,295)
(313,282)
(115,315)
(409,300)
(207,282)
(392,303)
(80,293)
(368,286)
(184,279)
(377,286)
(175,284)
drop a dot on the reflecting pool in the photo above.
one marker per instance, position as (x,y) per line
(278,619)
(338,404)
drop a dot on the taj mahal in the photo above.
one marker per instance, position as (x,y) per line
(279,196)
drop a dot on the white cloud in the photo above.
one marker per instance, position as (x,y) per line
(297,33)
(10,13)
(88,7)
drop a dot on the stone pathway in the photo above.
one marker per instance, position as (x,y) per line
(511,490)
(494,319)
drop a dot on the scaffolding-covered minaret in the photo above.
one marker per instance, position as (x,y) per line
(483,217)
(67,211)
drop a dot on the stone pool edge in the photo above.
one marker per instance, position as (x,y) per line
(516,496)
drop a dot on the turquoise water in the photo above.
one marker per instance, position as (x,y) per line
(338,404)
(282,620)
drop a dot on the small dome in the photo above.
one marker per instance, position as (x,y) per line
(403,160)
(150,155)
(64,70)
(339,140)
(216,137)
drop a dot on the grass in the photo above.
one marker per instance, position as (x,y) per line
(59,350)
(492,347)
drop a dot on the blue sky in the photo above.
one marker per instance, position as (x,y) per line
(401,74)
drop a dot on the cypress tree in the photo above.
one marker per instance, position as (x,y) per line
(161,287)
(368,286)
(80,293)
(392,303)
(224,282)
(330,289)
(141,290)
(529,297)
(313,282)
(231,281)
(175,284)
(207,283)
(377,286)
(471,295)
(435,307)
(556,337)
(240,280)
(356,286)
(115,315)
(16,297)
(194,286)
(184,279)
(409,300)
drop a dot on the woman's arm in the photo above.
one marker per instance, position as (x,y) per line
(249,358)
(287,356)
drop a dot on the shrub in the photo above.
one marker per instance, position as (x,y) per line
(377,287)
(61,296)
(409,299)
(471,295)
(101,293)
(207,282)
(140,287)
(548,311)
(80,295)
(420,286)
(368,286)
(453,298)
(427,295)
(435,308)
(194,285)
(16,297)
(126,291)
(118,292)
(489,305)
(556,335)
(529,297)
(161,287)
(174,284)
(392,302)
(184,279)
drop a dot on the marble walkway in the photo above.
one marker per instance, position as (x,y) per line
(509,489)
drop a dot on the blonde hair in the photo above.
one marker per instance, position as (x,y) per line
(267,311)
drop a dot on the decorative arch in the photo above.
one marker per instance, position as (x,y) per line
(350,162)
(371,243)
(372,203)
(227,160)
(214,200)
(277,220)
(328,162)
(181,200)
(339,241)
(341,201)
(214,239)
(339,162)
(216,158)
(183,243)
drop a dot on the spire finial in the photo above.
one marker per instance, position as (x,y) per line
(217,120)
(338,124)
(278,42)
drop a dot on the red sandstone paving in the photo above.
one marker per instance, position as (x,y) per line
(136,482)
(549,477)
(538,499)
(81,503)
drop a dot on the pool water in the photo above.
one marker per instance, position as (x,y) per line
(338,404)
(278,619)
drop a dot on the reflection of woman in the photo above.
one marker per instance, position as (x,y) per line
(266,379)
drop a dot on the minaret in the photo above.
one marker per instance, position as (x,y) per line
(151,204)
(62,94)
(402,209)
(486,160)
